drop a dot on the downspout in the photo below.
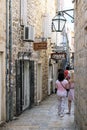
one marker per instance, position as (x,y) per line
(7,63)
(10,63)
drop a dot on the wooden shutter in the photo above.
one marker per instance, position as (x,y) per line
(18,87)
(46,26)
(23,12)
(31,70)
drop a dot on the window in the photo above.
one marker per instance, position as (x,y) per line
(23,12)
(46,26)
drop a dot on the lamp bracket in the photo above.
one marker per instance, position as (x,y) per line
(58,22)
(66,12)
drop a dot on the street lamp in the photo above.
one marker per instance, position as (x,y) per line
(58,22)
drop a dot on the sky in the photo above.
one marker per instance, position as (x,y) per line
(69,5)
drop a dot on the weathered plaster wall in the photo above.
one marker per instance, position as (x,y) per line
(3,57)
(81,64)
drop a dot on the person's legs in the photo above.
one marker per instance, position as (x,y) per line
(69,106)
(62,106)
(59,105)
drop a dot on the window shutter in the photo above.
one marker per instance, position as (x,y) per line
(43,26)
(18,87)
(49,26)
(23,12)
(46,26)
(31,73)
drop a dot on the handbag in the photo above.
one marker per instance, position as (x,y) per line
(55,90)
(67,89)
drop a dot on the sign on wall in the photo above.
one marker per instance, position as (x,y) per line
(39,46)
(58,56)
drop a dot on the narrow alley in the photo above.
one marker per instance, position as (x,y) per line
(43,117)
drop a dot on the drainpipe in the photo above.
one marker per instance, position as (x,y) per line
(9,101)
(10,63)
(7,65)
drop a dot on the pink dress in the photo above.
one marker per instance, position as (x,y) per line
(61,95)
(61,91)
(71,92)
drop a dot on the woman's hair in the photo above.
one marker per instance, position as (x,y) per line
(60,70)
(61,76)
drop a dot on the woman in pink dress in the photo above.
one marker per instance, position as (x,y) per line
(71,91)
(61,85)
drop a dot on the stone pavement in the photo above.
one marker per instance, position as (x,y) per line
(43,117)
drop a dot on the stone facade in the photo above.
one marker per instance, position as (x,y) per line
(81,64)
(36,10)
(2,60)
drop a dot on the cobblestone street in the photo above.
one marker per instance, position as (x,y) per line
(43,117)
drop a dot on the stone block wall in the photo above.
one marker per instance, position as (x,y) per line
(2,25)
(2,60)
(35,10)
(81,64)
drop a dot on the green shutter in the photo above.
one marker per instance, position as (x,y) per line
(31,70)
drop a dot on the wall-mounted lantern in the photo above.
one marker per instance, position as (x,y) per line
(58,22)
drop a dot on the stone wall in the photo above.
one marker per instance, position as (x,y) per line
(35,10)
(2,60)
(2,25)
(81,64)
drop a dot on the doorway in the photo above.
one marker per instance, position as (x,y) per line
(24,85)
(50,82)
(39,83)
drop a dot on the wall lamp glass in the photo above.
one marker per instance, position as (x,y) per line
(59,21)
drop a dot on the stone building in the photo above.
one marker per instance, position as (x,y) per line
(81,64)
(2,59)
(27,69)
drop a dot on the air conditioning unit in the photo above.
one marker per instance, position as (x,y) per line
(29,33)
